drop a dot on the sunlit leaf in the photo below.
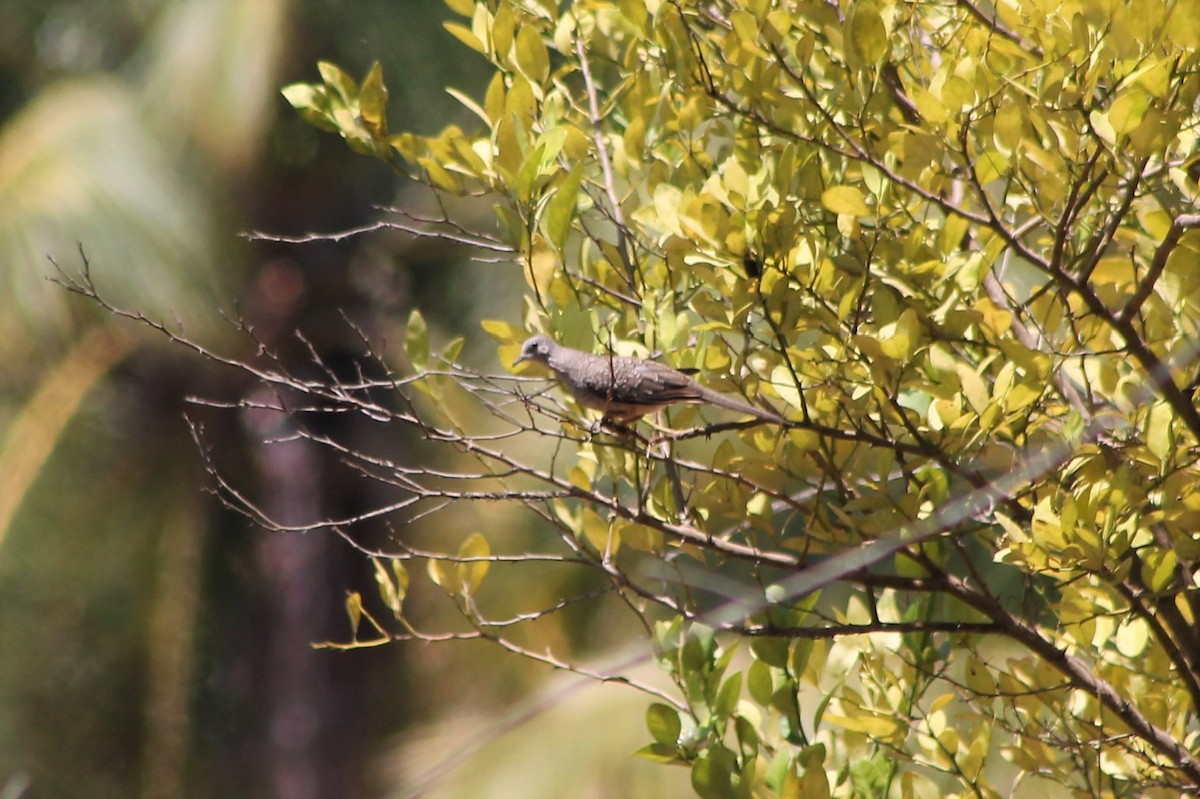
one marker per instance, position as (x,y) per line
(444,574)
(466,36)
(373,101)
(845,200)
(336,79)
(1127,110)
(391,593)
(472,572)
(416,341)
(1158,429)
(354,610)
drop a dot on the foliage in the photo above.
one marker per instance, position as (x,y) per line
(954,242)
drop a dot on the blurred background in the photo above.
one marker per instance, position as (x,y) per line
(152,643)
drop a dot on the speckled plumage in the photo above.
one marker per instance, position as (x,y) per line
(624,388)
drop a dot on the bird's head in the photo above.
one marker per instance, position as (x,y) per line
(536,348)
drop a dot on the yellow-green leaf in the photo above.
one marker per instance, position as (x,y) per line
(464,35)
(510,154)
(470,104)
(354,610)
(728,695)
(1007,127)
(659,753)
(868,34)
(401,575)
(1158,429)
(1132,637)
(663,723)
(532,58)
(845,200)
(443,574)
(502,331)
(1158,569)
(373,101)
(871,724)
(814,784)
(387,587)
(560,211)
(465,8)
(1127,110)
(339,81)
(312,103)
(899,339)
(471,574)
(974,389)
(416,341)
(502,31)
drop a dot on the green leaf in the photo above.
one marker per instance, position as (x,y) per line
(711,777)
(416,341)
(663,723)
(560,211)
(845,200)
(748,738)
(868,35)
(453,349)
(727,697)
(759,682)
(698,648)
(659,753)
(772,651)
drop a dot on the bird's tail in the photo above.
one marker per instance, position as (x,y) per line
(714,398)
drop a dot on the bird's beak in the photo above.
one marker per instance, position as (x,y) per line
(520,359)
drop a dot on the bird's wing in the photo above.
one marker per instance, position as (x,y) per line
(652,383)
(631,381)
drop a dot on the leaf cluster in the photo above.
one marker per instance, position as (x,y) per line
(957,246)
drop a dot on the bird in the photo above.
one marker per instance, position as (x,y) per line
(625,389)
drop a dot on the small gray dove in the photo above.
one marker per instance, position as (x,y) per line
(623,388)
